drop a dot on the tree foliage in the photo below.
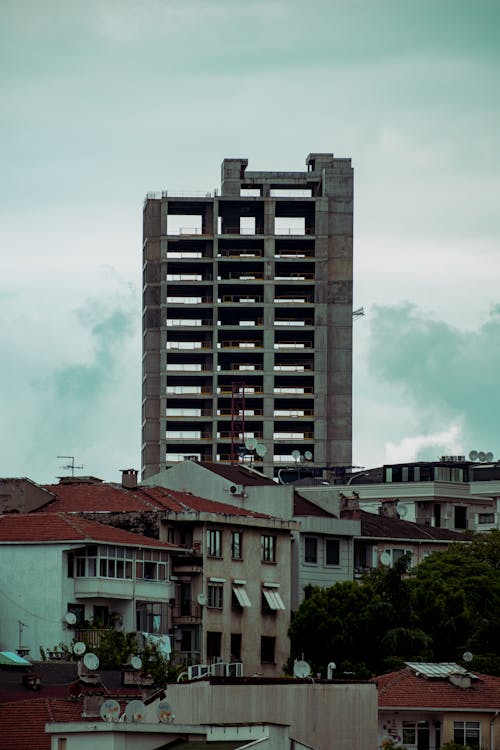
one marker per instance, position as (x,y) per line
(436,611)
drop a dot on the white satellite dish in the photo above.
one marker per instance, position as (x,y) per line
(296,455)
(250,444)
(301,669)
(467,656)
(261,450)
(473,456)
(136,662)
(70,618)
(385,558)
(110,710)
(164,713)
(201,599)
(489,456)
(402,511)
(79,648)
(135,711)
(91,661)
(481,456)
(308,456)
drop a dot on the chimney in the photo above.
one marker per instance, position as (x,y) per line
(129,479)
(389,509)
(349,506)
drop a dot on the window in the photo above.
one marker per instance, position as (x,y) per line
(151,565)
(467,733)
(271,601)
(214,641)
(460,517)
(268,548)
(486,518)
(332,552)
(236,545)
(214,545)
(417,733)
(310,549)
(235,646)
(152,617)
(267,648)
(101,616)
(105,561)
(215,595)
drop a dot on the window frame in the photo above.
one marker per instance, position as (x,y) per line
(215,595)
(214,543)
(267,649)
(461,729)
(236,545)
(268,545)
(336,541)
(311,555)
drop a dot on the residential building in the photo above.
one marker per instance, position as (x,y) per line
(230,577)
(429,705)
(247,319)
(60,573)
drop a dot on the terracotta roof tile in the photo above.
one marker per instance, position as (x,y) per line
(62,527)
(22,724)
(404,689)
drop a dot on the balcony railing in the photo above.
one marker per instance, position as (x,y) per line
(186,613)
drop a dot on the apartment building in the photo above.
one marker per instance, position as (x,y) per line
(247,319)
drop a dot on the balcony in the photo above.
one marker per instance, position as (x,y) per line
(186,613)
(121,588)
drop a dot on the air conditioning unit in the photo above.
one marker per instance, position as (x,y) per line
(236,489)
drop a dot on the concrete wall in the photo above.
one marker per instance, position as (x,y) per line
(326,716)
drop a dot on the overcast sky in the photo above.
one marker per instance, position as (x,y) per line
(104,100)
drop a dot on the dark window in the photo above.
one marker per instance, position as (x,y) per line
(486,518)
(268,548)
(235,646)
(332,551)
(101,616)
(467,733)
(236,545)
(267,647)
(152,617)
(71,565)
(214,546)
(310,549)
(79,612)
(460,517)
(214,640)
(437,515)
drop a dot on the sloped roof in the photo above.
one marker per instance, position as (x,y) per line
(303,507)
(93,498)
(239,474)
(22,724)
(61,527)
(405,689)
(384,527)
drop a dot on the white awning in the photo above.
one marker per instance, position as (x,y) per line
(273,599)
(242,596)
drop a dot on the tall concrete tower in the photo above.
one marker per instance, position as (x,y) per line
(247,319)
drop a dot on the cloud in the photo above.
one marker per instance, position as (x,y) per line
(448,377)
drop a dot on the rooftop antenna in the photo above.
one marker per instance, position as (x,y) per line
(72,465)
(22,625)
(358,313)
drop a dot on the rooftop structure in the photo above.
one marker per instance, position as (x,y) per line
(247,319)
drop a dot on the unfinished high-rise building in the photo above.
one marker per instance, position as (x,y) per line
(247,320)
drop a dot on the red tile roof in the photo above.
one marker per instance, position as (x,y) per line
(91,498)
(22,724)
(61,527)
(404,689)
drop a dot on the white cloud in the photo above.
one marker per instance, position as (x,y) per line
(426,447)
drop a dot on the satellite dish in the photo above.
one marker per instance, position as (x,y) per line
(250,444)
(481,456)
(136,662)
(164,713)
(489,456)
(467,656)
(385,558)
(110,710)
(79,648)
(301,669)
(296,455)
(201,599)
(70,618)
(308,456)
(135,711)
(261,450)
(402,511)
(91,661)
(473,456)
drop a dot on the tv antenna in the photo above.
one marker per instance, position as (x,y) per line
(358,313)
(72,466)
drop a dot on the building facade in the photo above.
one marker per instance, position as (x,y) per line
(247,319)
